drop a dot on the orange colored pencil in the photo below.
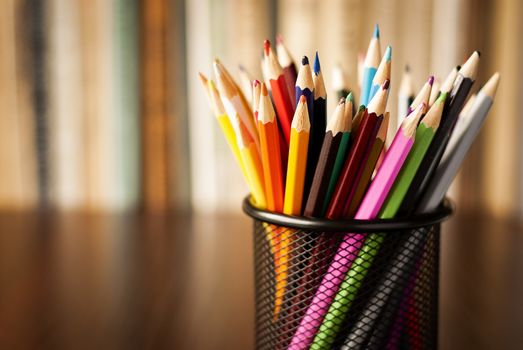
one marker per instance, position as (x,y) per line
(270,152)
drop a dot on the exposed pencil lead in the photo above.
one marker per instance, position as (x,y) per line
(376,33)
(305,60)
(388,53)
(317,67)
(267,46)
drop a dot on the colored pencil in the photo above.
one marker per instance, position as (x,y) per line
(305,85)
(405,98)
(226,127)
(365,133)
(424,135)
(351,243)
(342,151)
(280,93)
(458,96)
(234,103)
(388,174)
(461,125)
(293,189)
(251,160)
(388,290)
(289,67)
(377,107)
(356,121)
(297,159)
(318,124)
(273,176)
(448,169)
(394,159)
(382,73)
(449,80)
(423,95)
(434,92)
(270,152)
(256,92)
(205,81)
(323,172)
(370,165)
(372,61)
(390,287)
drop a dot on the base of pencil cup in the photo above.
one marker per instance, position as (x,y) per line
(318,286)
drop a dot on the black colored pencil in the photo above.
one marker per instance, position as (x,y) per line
(458,96)
(326,160)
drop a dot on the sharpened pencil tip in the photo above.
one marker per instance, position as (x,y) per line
(386,84)
(431,80)
(303,99)
(362,108)
(349,98)
(241,68)
(376,33)
(266,47)
(264,91)
(279,39)
(341,101)
(305,60)
(203,78)
(442,97)
(388,53)
(478,52)
(317,67)
(255,82)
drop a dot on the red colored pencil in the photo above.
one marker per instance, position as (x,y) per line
(280,94)
(289,67)
(365,134)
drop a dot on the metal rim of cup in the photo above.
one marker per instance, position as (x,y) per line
(415,221)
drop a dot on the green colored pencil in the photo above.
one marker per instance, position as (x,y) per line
(342,152)
(424,135)
(361,265)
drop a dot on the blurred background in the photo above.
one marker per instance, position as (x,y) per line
(102,110)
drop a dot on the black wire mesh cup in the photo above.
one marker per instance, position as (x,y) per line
(385,295)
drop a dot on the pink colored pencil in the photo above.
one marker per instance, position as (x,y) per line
(352,242)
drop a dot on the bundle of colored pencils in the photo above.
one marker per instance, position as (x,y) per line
(295,163)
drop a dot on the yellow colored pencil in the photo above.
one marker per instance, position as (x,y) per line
(297,162)
(296,166)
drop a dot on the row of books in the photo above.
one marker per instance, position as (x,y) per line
(87,116)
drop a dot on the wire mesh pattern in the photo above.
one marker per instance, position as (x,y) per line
(388,299)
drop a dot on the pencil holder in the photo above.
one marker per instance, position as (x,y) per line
(348,284)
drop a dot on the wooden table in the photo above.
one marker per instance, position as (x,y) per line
(80,281)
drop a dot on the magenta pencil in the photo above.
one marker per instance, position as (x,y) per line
(352,242)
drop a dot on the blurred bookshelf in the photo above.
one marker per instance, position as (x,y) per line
(102,109)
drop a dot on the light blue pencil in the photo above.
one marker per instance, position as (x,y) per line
(372,60)
(382,74)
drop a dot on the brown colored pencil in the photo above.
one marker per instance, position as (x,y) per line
(324,167)
(366,133)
